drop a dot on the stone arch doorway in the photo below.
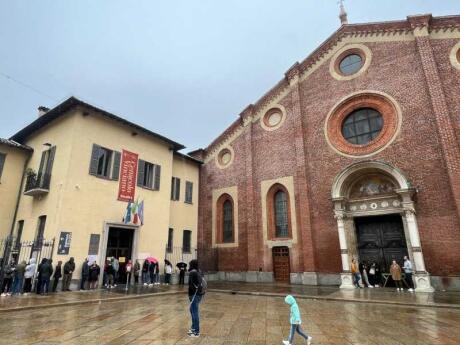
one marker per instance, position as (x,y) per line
(369,197)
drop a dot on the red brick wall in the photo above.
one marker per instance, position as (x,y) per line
(396,69)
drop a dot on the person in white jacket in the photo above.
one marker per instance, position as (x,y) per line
(29,275)
(408,273)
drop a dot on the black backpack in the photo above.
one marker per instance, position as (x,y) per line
(202,287)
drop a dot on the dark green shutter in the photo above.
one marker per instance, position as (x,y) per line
(42,163)
(94,160)
(173,183)
(157,177)
(116,165)
(49,165)
(140,173)
(177,196)
(2,162)
(188,191)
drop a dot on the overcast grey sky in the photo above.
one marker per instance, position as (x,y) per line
(183,68)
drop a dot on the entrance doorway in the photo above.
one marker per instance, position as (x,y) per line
(381,239)
(281,266)
(120,246)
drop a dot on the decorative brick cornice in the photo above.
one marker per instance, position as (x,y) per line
(293,73)
(246,114)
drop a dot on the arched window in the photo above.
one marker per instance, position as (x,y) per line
(281,214)
(227,222)
(278,211)
(225,219)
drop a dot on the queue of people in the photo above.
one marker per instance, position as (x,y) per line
(370,276)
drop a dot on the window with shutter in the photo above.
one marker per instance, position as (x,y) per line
(188,192)
(177,191)
(157,177)
(116,165)
(186,241)
(175,188)
(147,175)
(169,247)
(104,163)
(140,172)
(94,160)
(19,234)
(40,235)
(2,163)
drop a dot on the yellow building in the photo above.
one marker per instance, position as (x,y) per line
(85,167)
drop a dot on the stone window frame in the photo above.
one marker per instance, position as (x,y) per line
(359,49)
(220,218)
(232,191)
(218,159)
(383,103)
(455,56)
(264,119)
(271,221)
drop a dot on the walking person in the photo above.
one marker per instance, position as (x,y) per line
(145,273)
(57,275)
(195,294)
(408,273)
(128,271)
(295,322)
(29,275)
(8,278)
(137,272)
(69,268)
(93,277)
(168,272)
(395,271)
(45,271)
(116,267)
(355,273)
(19,278)
(84,274)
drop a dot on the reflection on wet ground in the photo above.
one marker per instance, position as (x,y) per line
(229,320)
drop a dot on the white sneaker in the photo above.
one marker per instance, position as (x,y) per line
(397,289)
(309,340)
(145,284)
(286,342)
(3,294)
(411,290)
(370,287)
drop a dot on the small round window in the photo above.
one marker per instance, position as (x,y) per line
(458,55)
(350,64)
(362,126)
(225,157)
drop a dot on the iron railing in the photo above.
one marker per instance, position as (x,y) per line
(37,181)
(207,257)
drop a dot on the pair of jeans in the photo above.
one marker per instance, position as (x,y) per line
(45,285)
(84,279)
(168,278)
(195,312)
(17,285)
(152,277)
(145,277)
(55,284)
(296,328)
(356,278)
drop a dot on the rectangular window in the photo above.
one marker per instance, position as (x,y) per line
(46,166)
(19,233)
(169,247)
(188,192)
(148,175)
(186,241)
(175,188)
(105,163)
(2,163)
(39,236)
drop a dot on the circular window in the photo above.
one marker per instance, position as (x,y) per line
(273,118)
(350,64)
(455,56)
(458,56)
(224,158)
(362,126)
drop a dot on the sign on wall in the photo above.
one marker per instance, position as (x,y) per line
(94,244)
(128,173)
(64,243)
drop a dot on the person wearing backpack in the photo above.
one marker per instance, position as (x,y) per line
(196,289)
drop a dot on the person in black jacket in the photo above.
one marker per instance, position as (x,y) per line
(84,274)
(45,271)
(39,281)
(194,295)
(93,277)
(57,275)
(69,267)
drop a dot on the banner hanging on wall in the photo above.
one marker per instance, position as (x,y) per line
(128,174)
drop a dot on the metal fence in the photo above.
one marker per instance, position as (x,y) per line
(207,257)
(11,248)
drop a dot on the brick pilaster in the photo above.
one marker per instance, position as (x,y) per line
(447,137)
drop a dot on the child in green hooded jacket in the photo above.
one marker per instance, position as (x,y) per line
(295,322)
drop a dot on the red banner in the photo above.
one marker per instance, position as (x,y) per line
(128,174)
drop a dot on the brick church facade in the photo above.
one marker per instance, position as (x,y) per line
(353,154)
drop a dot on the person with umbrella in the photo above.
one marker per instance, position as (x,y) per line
(151,269)
(182,266)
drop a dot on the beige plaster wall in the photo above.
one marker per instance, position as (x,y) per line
(10,181)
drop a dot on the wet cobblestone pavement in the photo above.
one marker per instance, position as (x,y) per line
(228,319)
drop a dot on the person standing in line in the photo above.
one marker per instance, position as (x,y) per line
(128,270)
(157,273)
(8,278)
(29,275)
(19,277)
(84,274)
(408,273)
(365,277)
(295,322)
(45,272)
(69,268)
(116,267)
(151,273)
(38,285)
(137,271)
(145,273)
(182,269)
(57,275)
(355,273)
(195,294)
(93,277)
(395,271)
(110,275)
(168,272)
